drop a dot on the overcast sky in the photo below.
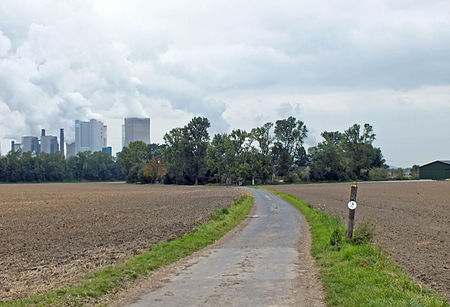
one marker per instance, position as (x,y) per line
(239,63)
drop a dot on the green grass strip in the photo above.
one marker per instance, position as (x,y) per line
(113,278)
(358,275)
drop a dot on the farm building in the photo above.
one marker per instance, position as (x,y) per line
(437,170)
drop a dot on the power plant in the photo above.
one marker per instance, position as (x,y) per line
(46,143)
(89,136)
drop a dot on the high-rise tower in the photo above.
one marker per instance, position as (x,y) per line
(61,141)
(89,136)
(135,129)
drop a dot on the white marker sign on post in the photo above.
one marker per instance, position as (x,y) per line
(351,205)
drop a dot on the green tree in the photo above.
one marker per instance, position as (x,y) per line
(3,169)
(27,163)
(99,166)
(217,159)
(13,166)
(51,167)
(262,155)
(196,133)
(154,171)
(415,172)
(229,157)
(360,155)
(185,151)
(328,158)
(133,160)
(288,151)
(174,155)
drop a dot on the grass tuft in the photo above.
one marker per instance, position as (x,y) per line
(358,273)
(113,278)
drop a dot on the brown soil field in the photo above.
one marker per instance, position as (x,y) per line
(412,221)
(52,233)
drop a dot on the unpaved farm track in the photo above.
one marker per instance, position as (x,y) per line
(51,233)
(412,221)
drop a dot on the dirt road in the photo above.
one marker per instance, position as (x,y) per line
(265,263)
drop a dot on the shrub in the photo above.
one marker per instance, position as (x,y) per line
(364,233)
(379,173)
(304,175)
(337,238)
(219,214)
(290,178)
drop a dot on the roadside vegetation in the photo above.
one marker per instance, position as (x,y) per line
(90,289)
(358,273)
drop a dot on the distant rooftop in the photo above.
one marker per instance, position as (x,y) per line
(442,161)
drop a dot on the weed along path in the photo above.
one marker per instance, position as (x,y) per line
(265,263)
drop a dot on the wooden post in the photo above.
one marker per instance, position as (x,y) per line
(351,212)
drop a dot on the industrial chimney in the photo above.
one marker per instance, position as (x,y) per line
(13,146)
(61,141)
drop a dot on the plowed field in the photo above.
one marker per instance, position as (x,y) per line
(412,221)
(52,233)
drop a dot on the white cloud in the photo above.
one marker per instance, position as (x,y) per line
(5,44)
(238,63)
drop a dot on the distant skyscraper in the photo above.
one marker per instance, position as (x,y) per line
(49,144)
(89,136)
(61,141)
(30,144)
(105,135)
(70,150)
(135,129)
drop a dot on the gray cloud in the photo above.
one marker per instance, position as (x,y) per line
(237,63)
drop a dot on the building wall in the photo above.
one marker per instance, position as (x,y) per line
(97,135)
(70,150)
(49,144)
(89,136)
(107,150)
(136,129)
(30,144)
(436,171)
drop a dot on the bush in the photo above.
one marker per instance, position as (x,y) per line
(290,178)
(379,173)
(304,175)
(337,238)
(364,233)
(219,214)
(400,174)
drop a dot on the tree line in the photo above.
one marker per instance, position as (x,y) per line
(23,167)
(268,154)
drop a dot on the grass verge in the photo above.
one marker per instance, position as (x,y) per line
(358,274)
(113,278)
